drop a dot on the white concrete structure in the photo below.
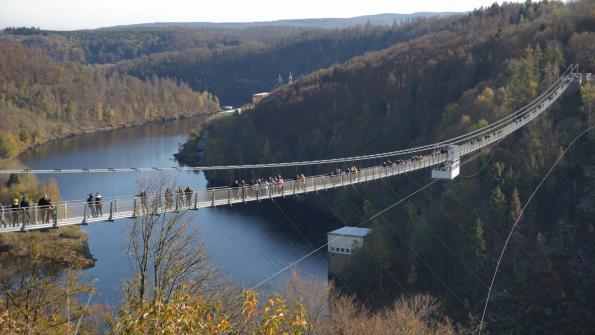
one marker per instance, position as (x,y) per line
(451,167)
(342,243)
(447,171)
(345,240)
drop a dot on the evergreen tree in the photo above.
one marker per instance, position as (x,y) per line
(478,243)
(498,207)
(517,239)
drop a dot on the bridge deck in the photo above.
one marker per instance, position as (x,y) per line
(74,213)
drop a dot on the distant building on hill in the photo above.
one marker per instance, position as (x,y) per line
(257,97)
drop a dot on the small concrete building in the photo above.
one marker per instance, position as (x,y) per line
(341,245)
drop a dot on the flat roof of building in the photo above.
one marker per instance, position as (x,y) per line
(351,231)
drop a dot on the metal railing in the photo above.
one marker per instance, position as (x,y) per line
(110,209)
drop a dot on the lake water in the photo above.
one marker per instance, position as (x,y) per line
(246,242)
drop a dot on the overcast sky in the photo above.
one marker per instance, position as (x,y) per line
(82,14)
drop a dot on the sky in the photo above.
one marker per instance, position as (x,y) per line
(85,14)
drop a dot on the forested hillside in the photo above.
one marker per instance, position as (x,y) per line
(42,100)
(235,72)
(104,46)
(230,63)
(447,240)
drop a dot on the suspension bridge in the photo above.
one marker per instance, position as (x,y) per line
(443,158)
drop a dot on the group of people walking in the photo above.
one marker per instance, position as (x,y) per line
(348,171)
(95,205)
(335,175)
(20,212)
(261,186)
(276,185)
(183,197)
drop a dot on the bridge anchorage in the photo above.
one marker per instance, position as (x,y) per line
(443,158)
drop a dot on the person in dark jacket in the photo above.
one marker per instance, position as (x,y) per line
(91,204)
(44,208)
(25,209)
(98,204)
(188,192)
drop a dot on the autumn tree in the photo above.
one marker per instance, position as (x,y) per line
(164,252)
(41,284)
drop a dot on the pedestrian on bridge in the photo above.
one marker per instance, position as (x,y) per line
(243,186)
(25,208)
(143,200)
(180,198)
(188,192)
(51,211)
(91,204)
(44,206)
(280,184)
(236,187)
(255,188)
(98,204)
(169,198)
(15,209)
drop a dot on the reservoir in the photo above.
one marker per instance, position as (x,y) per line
(246,243)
